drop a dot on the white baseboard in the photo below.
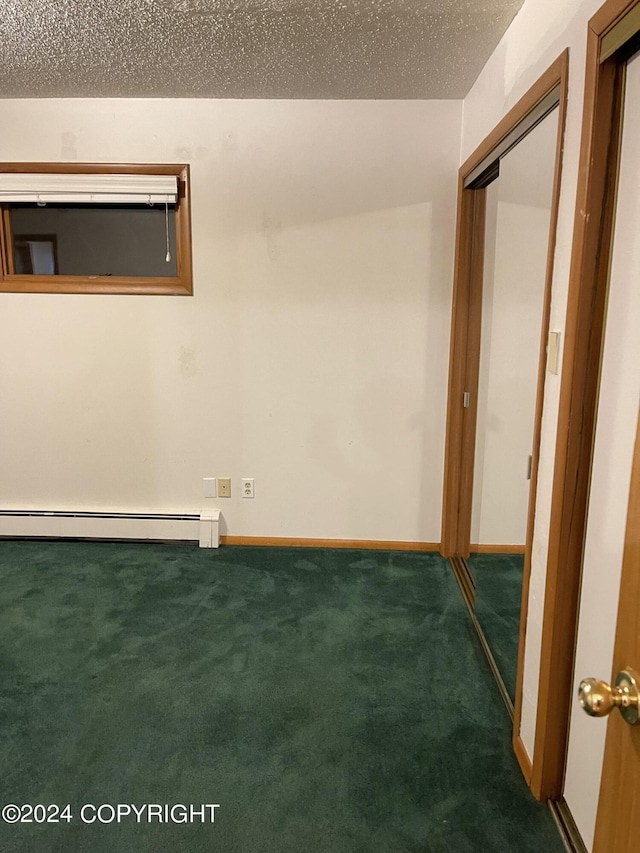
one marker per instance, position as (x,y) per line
(202,528)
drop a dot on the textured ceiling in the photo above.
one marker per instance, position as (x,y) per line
(247,48)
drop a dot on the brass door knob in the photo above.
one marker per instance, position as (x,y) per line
(597,698)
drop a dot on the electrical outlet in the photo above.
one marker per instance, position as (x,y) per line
(209,487)
(248,487)
(224,487)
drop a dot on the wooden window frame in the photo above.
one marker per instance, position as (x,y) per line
(178,285)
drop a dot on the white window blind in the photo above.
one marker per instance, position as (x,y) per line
(88,189)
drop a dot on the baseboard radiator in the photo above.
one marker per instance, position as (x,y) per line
(203,528)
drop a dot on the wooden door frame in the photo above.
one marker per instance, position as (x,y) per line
(609,34)
(464,356)
(465,349)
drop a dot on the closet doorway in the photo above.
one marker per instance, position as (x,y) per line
(507,214)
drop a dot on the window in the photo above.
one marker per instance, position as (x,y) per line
(95,229)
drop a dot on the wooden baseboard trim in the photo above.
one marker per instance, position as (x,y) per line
(497,549)
(359,544)
(523,759)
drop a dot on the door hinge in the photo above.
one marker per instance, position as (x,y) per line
(466,399)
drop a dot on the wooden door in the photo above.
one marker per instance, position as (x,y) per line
(608,580)
(619,803)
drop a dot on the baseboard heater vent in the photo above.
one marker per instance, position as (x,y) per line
(202,528)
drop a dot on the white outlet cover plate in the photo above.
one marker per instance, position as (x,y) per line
(248,487)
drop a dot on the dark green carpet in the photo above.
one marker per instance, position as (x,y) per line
(498,593)
(329,701)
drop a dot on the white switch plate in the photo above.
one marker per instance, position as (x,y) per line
(553,352)
(210,487)
(248,487)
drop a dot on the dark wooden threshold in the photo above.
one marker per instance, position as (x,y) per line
(571,838)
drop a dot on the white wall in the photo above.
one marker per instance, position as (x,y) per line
(538,34)
(516,249)
(313,355)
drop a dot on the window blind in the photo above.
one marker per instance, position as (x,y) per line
(88,189)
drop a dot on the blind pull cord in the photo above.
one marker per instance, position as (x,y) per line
(166,223)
